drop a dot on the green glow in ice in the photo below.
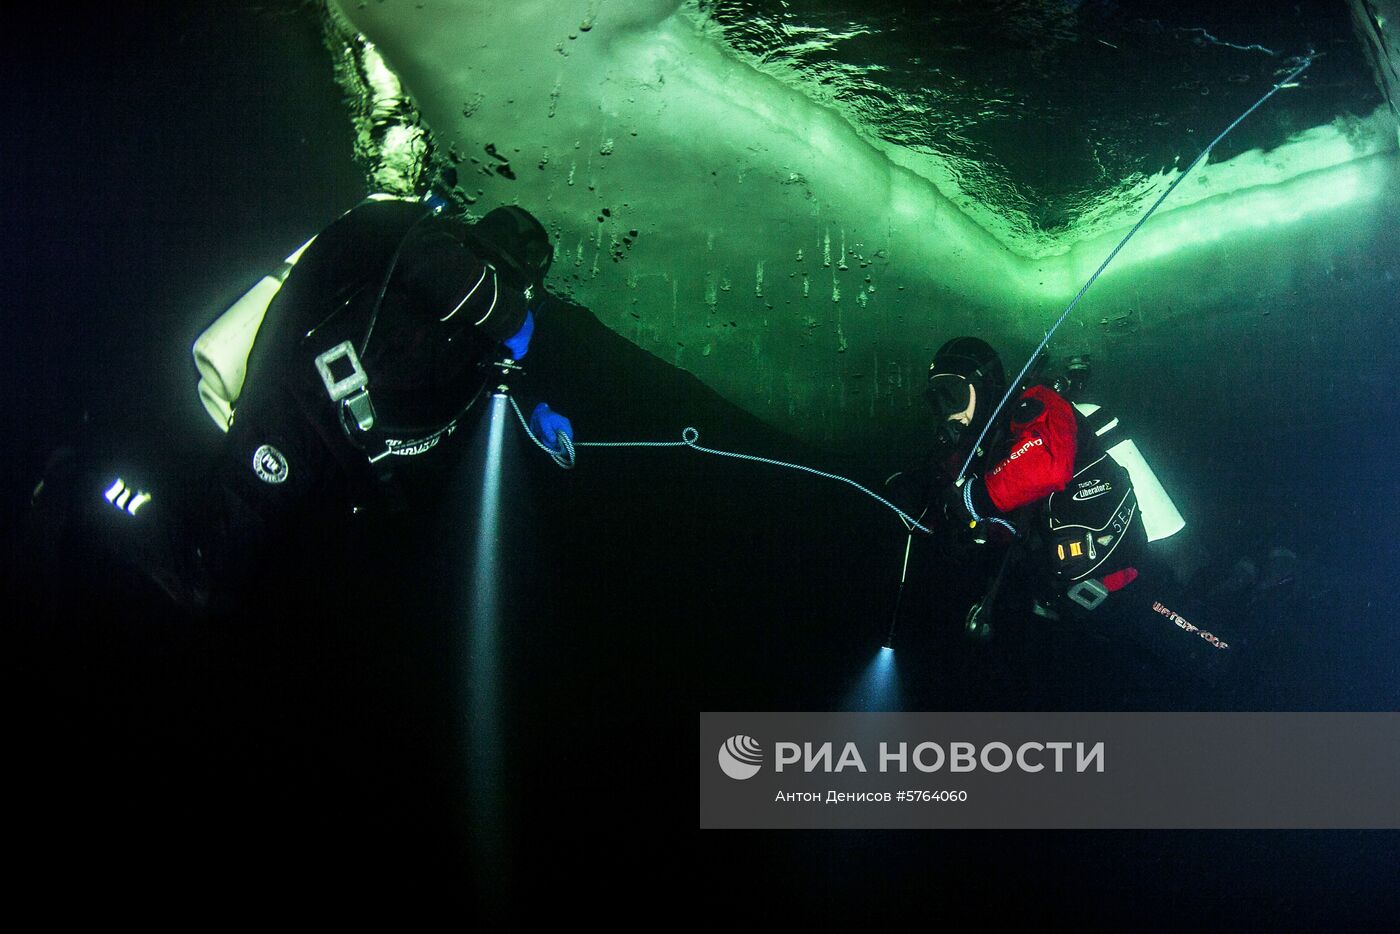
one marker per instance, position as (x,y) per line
(805,270)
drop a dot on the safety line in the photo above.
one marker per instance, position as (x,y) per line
(566,457)
(1012,386)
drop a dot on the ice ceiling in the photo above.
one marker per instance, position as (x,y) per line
(799,215)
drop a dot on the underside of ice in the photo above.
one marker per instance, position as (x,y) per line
(726,218)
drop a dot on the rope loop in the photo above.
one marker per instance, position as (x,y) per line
(566,456)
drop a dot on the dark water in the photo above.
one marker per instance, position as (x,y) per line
(156,165)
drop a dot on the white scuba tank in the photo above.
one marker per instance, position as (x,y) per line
(221,352)
(1160,517)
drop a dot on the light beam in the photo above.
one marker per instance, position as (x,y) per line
(878,687)
(485,767)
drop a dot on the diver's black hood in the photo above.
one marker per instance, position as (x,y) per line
(516,243)
(961,363)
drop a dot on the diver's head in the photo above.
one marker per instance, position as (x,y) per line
(964,381)
(520,243)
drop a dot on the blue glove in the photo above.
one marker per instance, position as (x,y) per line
(548,425)
(519,342)
(436,202)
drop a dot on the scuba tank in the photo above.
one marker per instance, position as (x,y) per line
(1112,497)
(221,351)
(1112,506)
(1160,517)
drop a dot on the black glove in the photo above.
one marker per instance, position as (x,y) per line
(952,508)
(990,523)
(913,491)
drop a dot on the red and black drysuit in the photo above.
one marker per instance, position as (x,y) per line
(1039,459)
(1051,445)
(1051,453)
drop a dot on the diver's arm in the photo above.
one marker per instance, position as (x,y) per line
(914,491)
(971,502)
(1041,460)
(546,424)
(460,289)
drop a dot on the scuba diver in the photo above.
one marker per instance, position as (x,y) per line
(1057,486)
(334,379)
